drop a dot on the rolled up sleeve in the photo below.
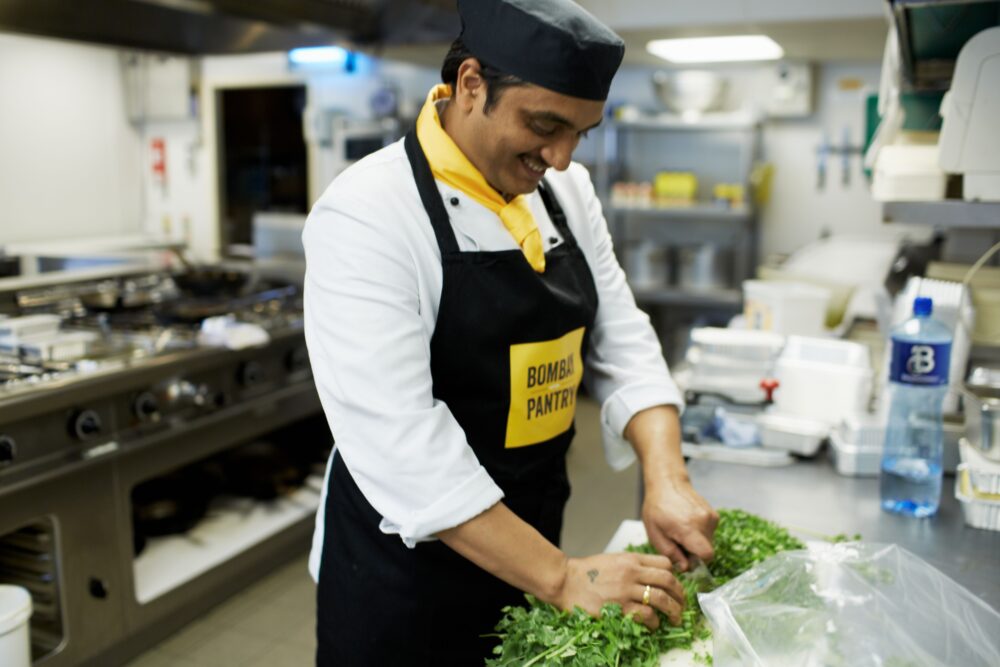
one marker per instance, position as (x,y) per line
(626,371)
(369,345)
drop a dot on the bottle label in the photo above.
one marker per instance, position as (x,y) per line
(924,364)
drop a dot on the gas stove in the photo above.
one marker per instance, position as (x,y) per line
(132,368)
(97,335)
(116,384)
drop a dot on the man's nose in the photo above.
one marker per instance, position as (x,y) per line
(558,154)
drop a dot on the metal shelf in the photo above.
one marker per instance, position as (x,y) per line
(944,214)
(698,211)
(678,296)
(708,121)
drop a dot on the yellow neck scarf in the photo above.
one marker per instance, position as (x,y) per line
(449,164)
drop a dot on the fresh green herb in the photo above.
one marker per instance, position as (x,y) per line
(545,636)
(742,540)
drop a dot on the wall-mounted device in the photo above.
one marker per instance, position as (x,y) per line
(791,90)
(970,143)
(338,141)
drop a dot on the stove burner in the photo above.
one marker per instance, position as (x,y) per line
(138,327)
(15,375)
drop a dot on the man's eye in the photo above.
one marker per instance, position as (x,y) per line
(584,134)
(543,130)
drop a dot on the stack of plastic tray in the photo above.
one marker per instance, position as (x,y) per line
(856,446)
(977,487)
(732,361)
(795,435)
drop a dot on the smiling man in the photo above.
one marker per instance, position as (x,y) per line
(461,285)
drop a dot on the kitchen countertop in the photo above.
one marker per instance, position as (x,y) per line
(810,495)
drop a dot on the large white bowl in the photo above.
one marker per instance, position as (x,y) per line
(689,90)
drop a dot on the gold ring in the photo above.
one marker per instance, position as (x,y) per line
(645,595)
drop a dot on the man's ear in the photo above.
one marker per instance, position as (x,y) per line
(470,88)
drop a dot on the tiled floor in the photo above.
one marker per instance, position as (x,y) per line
(272,623)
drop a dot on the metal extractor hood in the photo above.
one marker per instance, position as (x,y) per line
(232,26)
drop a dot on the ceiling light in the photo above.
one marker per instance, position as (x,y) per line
(328,56)
(716,49)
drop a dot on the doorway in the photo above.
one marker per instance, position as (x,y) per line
(263,160)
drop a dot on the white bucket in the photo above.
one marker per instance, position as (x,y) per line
(15,642)
(786,308)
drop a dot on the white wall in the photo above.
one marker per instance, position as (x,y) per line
(189,205)
(69,160)
(71,165)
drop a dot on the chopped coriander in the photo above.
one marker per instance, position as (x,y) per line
(545,636)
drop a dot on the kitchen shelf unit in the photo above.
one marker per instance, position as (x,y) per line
(717,148)
(232,527)
(722,299)
(949,214)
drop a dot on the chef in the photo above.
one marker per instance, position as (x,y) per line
(461,285)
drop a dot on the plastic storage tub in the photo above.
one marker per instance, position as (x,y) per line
(823,379)
(786,308)
(980,510)
(743,344)
(983,473)
(856,446)
(908,173)
(15,642)
(795,435)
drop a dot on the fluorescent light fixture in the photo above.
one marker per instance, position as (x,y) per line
(716,49)
(319,56)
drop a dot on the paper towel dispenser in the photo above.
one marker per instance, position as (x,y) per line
(970,134)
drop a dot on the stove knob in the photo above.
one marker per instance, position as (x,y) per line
(184,393)
(8,450)
(297,359)
(146,407)
(250,373)
(86,425)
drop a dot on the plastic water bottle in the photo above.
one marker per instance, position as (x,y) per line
(910,480)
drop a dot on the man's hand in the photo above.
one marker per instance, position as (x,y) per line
(592,582)
(679,521)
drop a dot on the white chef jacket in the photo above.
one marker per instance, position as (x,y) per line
(372,291)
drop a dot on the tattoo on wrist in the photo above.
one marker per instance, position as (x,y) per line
(593,575)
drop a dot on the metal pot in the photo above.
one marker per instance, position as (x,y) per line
(705,267)
(982,418)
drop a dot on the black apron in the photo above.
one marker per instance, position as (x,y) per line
(381,603)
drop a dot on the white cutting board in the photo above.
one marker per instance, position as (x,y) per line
(633,532)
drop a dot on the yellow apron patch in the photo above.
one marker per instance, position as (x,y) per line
(544,378)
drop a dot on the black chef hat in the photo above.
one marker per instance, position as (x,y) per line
(555,44)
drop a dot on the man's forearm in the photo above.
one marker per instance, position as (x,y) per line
(503,544)
(655,434)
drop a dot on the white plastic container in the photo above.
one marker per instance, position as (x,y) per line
(61,346)
(28,326)
(856,446)
(732,361)
(15,642)
(979,512)
(786,308)
(983,473)
(908,173)
(792,434)
(744,344)
(823,379)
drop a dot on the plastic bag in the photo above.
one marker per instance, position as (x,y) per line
(852,604)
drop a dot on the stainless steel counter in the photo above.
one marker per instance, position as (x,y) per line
(810,495)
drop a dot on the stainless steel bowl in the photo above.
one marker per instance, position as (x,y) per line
(689,91)
(982,419)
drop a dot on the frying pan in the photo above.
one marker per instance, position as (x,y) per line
(173,503)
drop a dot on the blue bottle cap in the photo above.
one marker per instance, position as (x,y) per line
(923,306)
